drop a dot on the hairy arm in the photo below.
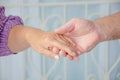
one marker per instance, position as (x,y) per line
(109,27)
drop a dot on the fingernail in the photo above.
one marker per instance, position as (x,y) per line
(57,57)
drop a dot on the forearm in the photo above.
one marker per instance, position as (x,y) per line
(109,27)
(17,40)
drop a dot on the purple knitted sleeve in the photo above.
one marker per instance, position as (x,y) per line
(6,23)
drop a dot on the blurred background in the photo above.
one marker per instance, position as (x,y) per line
(102,63)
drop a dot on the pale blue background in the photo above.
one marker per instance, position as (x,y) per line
(49,15)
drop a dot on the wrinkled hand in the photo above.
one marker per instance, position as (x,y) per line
(43,42)
(82,32)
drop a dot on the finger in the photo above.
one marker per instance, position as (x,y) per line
(68,27)
(70,57)
(55,50)
(63,44)
(79,52)
(63,53)
(67,39)
(49,53)
(65,47)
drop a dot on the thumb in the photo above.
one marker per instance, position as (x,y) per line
(49,54)
(65,29)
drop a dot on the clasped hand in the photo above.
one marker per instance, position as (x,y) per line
(72,39)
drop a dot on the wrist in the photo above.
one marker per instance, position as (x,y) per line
(108,27)
(30,33)
(100,31)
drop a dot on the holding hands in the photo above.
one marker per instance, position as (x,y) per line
(82,32)
(72,39)
(43,42)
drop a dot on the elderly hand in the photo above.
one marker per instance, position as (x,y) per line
(43,42)
(82,32)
